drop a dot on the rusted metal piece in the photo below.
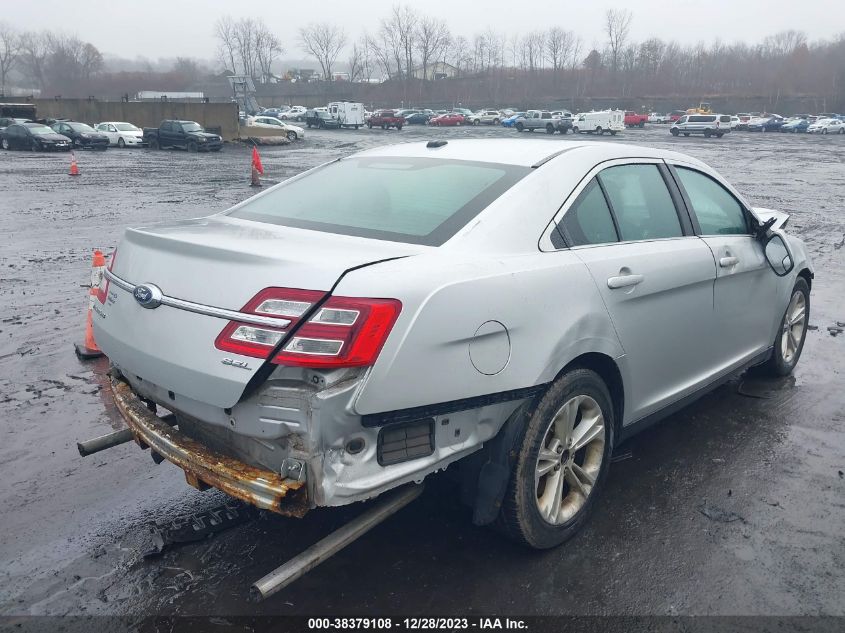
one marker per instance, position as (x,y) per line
(262,488)
(324,549)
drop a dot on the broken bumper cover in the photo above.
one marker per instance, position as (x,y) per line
(204,467)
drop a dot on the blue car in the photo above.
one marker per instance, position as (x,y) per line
(511,120)
(770,123)
(796,125)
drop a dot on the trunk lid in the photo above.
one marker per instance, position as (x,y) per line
(219,262)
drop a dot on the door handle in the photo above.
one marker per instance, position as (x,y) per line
(624,281)
(727,262)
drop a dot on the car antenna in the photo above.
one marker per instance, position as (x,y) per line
(433,144)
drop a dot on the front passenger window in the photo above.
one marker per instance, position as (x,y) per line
(717,211)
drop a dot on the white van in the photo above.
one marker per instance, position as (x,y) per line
(707,124)
(347,113)
(612,121)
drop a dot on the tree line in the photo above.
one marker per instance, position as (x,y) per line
(409,49)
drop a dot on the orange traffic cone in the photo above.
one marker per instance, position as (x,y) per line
(74,169)
(257,168)
(89,349)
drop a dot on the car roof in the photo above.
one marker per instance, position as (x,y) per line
(524,152)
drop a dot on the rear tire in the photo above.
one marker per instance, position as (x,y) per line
(599,131)
(562,462)
(154,143)
(550,129)
(792,331)
(5,144)
(613,132)
(707,133)
(575,129)
(121,143)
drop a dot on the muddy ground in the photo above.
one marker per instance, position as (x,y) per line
(735,505)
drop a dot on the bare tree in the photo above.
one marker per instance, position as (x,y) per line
(224,31)
(324,41)
(559,45)
(432,39)
(34,52)
(267,48)
(617,26)
(10,48)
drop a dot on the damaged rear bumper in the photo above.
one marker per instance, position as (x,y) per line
(204,467)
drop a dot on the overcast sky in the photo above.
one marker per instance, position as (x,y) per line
(170,28)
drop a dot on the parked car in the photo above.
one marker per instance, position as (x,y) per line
(599,122)
(121,134)
(656,117)
(827,126)
(675,115)
(797,124)
(464,111)
(417,118)
(7,121)
(512,119)
(276,113)
(706,124)
(735,123)
(292,132)
(487,117)
(386,119)
(296,113)
(361,333)
(188,135)
(315,117)
(33,136)
(536,120)
(766,123)
(448,118)
(81,135)
(635,119)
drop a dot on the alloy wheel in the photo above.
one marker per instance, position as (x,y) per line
(793,326)
(570,459)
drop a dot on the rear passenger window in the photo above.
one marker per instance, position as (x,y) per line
(588,220)
(717,211)
(641,202)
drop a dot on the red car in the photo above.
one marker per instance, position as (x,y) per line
(675,115)
(450,118)
(386,119)
(632,119)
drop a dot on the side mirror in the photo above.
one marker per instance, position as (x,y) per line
(778,255)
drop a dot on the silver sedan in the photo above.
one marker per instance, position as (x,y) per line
(515,307)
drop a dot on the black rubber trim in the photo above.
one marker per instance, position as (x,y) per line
(371,420)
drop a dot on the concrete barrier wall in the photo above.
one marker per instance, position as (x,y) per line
(223,116)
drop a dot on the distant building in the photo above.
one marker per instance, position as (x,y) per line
(436,70)
(302,74)
(147,95)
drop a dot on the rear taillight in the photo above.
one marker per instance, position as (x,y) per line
(342,332)
(286,304)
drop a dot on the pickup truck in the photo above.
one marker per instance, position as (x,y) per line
(186,134)
(543,120)
(632,119)
(386,119)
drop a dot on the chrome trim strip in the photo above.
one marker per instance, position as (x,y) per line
(198,308)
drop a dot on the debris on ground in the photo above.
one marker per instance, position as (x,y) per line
(812,328)
(835,329)
(196,527)
(715,513)
(619,457)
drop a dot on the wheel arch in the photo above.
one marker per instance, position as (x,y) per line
(609,372)
(807,275)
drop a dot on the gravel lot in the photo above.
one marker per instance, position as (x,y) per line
(768,456)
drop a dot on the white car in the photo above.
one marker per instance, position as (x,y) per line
(518,306)
(827,126)
(296,113)
(735,122)
(121,133)
(292,132)
(656,117)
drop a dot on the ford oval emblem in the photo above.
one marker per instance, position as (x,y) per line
(147,296)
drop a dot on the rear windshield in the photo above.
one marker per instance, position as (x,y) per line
(414,200)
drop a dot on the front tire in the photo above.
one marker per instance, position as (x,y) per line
(562,462)
(789,340)
(6,144)
(519,127)
(291,135)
